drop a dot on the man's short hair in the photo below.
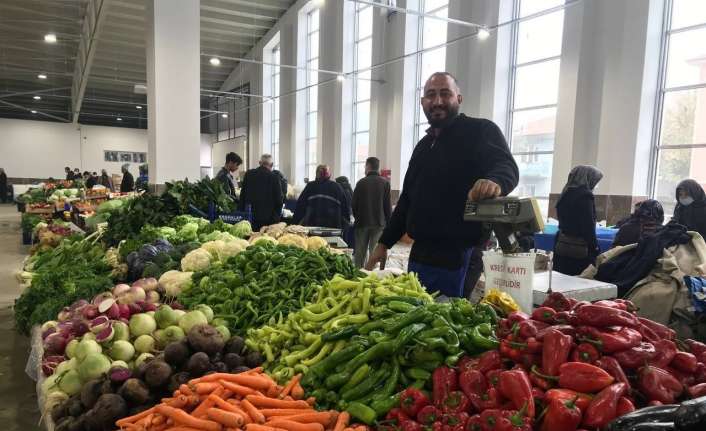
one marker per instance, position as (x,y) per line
(448,74)
(233,158)
(373,163)
(266,159)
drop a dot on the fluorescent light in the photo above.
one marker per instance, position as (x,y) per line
(50,38)
(37,97)
(341,78)
(42,76)
(138,107)
(215,61)
(119,119)
(224,115)
(483,33)
(33,111)
(318,3)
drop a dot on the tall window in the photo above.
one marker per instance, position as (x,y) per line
(680,126)
(362,59)
(312,92)
(274,104)
(536,57)
(432,32)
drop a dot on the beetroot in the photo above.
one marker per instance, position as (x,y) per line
(55,344)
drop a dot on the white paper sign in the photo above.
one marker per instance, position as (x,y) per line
(511,273)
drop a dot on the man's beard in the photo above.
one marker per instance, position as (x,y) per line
(451,112)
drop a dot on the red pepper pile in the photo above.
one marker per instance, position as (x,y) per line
(570,365)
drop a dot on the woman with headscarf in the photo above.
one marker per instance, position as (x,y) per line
(691,206)
(648,216)
(576,246)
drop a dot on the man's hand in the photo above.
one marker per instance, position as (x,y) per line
(379,255)
(484,189)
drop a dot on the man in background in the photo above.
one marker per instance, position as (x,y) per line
(227,173)
(263,191)
(323,202)
(69,174)
(282,182)
(371,210)
(128,182)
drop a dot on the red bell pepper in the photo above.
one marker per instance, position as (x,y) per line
(629,305)
(603,408)
(492,419)
(585,352)
(564,329)
(467,363)
(544,314)
(540,382)
(558,301)
(515,386)
(387,427)
(517,316)
(612,366)
(412,401)
(455,402)
(562,415)
(610,339)
(566,318)
(428,415)
(582,400)
(700,374)
(474,423)
(489,360)
(492,377)
(437,426)
(666,349)
(454,421)
(555,351)
(686,379)
(515,421)
(503,329)
(684,361)
(655,403)
(647,333)
(410,425)
(527,329)
(491,399)
(659,329)
(537,394)
(696,391)
(697,348)
(396,415)
(611,304)
(596,315)
(472,382)
(527,360)
(578,304)
(625,406)
(444,380)
(506,349)
(580,377)
(657,384)
(635,357)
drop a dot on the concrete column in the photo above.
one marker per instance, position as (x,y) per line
(173,88)
(331,54)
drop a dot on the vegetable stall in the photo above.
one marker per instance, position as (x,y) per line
(160,320)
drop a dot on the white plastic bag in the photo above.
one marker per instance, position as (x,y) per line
(511,273)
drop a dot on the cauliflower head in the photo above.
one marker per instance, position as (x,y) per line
(292,239)
(214,247)
(232,248)
(262,238)
(196,260)
(174,282)
(315,243)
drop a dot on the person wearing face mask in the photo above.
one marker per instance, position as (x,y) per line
(227,173)
(691,206)
(576,246)
(459,158)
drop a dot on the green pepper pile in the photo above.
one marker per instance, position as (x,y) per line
(361,341)
(264,283)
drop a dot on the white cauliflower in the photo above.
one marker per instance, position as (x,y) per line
(232,248)
(262,238)
(214,247)
(315,243)
(292,239)
(173,282)
(196,260)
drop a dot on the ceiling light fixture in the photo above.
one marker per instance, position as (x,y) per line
(341,78)
(483,33)
(37,97)
(42,76)
(50,38)
(215,61)
(119,119)
(138,107)
(318,3)
(33,111)
(224,115)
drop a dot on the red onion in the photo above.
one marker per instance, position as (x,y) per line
(48,332)
(105,335)
(90,312)
(55,344)
(98,324)
(148,306)
(79,327)
(124,311)
(134,309)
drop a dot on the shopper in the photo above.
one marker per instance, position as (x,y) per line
(648,216)
(346,186)
(142,183)
(282,182)
(576,246)
(322,203)
(128,182)
(105,180)
(91,180)
(3,186)
(262,190)
(691,206)
(459,158)
(69,174)
(77,174)
(227,173)
(371,210)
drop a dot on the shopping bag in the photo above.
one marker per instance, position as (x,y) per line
(511,273)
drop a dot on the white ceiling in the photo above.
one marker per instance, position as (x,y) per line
(228,28)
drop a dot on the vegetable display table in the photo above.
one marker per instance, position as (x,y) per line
(545,240)
(581,289)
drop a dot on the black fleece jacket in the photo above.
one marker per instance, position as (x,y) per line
(441,172)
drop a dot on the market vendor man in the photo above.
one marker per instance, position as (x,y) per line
(459,158)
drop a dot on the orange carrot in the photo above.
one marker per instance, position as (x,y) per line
(134,418)
(298,391)
(256,370)
(258,427)
(284,412)
(238,389)
(186,419)
(311,401)
(254,413)
(348,429)
(342,421)
(225,418)
(179,402)
(158,420)
(275,403)
(273,391)
(232,429)
(288,388)
(361,428)
(182,428)
(206,404)
(186,390)
(254,381)
(295,426)
(206,388)
(324,418)
(160,427)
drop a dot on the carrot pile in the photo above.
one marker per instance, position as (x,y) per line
(249,401)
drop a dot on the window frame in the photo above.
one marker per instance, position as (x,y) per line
(355,163)
(274,105)
(311,84)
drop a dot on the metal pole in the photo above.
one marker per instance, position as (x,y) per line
(14,105)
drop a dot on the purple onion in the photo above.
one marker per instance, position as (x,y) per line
(124,311)
(99,324)
(148,306)
(134,309)
(47,332)
(90,312)
(79,327)
(106,334)
(55,344)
